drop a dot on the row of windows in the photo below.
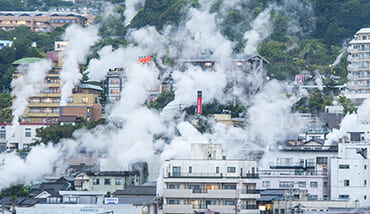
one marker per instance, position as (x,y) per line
(199,187)
(177,170)
(107,181)
(44,110)
(302,184)
(45,100)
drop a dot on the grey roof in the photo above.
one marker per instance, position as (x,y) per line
(90,86)
(51,187)
(273,192)
(136,200)
(138,190)
(269,197)
(113,173)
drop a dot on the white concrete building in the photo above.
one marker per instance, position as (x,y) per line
(23,136)
(115,79)
(86,202)
(315,182)
(209,182)
(349,172)
(358,86)
(298,165)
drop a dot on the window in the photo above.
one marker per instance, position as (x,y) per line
(85,99)
(27,134)
(313,197)
(365,197)
(346,183)
(322,160)
(314,184)
(325,184)
(118,181)
(365,166)
(114,91)
(286,184)
(3,134)
(365,182)
(96,181)
(276,211)
(282,211)
(217,169)
(176,171)
(296,196)
(302,184)
(229,202)
(344,197)
(265,183)
(231,169)
(70,99)
(190,169)
(229,186)
(173,186)
(107,181)
(344,166)
(170,201)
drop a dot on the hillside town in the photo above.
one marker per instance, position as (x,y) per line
(179,119)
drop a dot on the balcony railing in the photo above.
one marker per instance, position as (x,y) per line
(250,191)
(199,206)
(294,173)
(249,207)
(212,175)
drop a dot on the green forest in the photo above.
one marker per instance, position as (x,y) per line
(324,27)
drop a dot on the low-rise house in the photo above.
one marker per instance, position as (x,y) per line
(111,181)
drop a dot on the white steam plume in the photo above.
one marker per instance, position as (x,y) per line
(261,29)
(338,58)
(79,42)
(131,8)
(39,161)
(352,122)
(28,84)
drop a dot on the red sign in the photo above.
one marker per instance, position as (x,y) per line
(299,79)
(199,102)
(144,59)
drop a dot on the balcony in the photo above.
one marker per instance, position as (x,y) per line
(212,175)
(200,193)
(249,207)
(292,173)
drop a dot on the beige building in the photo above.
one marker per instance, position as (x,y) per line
(39,21)
(45,106)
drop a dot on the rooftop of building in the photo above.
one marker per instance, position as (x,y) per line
(363,30)
(38,13)
(90,86)
(27,60)
(113,173)
(137,190)
(208,58)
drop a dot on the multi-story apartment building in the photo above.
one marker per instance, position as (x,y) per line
(208,182)
(349,172)
(298,164)
(114,81)
(39,21)
(45,106)
(358,87)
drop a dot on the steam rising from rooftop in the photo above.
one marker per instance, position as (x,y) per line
(79,42)
(28,84)
(135,132)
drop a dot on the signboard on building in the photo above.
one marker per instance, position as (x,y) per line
(299,79)
(111,201)
(199,102)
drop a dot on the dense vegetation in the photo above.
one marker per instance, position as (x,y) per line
(312,49)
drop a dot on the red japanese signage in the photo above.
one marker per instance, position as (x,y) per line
(199,102)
